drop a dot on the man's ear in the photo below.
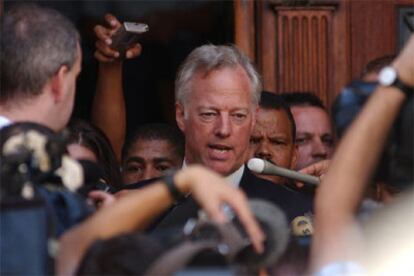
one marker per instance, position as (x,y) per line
(180,116)
(57,84)
(294,157)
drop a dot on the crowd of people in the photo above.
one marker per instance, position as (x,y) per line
(166,199)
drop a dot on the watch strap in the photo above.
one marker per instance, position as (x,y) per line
(168,180)
(406,89)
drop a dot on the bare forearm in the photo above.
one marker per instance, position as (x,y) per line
(108,109)
(359,151)
(133,211)
(343,186)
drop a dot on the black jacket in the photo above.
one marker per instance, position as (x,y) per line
(291,202)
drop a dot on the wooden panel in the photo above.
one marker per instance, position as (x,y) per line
(304,3)
(340,70)
(373,32)
(266,45)
(404,2)
(304,50)
(244,33)
(317,45)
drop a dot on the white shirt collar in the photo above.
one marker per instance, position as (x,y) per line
(234,178)
(4,121)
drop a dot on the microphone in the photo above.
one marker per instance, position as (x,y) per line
(265,167)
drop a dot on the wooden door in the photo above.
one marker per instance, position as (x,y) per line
(316,46)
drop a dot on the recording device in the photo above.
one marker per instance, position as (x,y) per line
(127,35)
(30,154)
(93,176)
(35,178)
(261,166)
(396,164)
(207,244)
(33,155)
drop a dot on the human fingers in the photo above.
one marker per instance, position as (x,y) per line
(212,192)
(101,198)
(98,55)
(214,209)
(207,188)
(106,50)
(317,169)
(134,51)
(238,202)
(299,184)
(103,34)
(311,170)
(112,21)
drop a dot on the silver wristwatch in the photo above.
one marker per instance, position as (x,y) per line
(388,76)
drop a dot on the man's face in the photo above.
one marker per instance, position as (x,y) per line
(272,140)
(148,159)
(314,135)
(218,119)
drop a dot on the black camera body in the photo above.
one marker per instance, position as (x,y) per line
(396,165)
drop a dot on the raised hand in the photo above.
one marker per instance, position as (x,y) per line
(104,52)
(212,192)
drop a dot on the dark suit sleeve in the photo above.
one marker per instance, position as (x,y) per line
(291,202)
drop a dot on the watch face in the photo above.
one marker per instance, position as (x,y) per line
(387,76)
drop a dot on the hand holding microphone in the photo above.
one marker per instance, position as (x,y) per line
(265,167)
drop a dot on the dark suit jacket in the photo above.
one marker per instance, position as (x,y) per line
(291,202)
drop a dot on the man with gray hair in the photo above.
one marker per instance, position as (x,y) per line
(40,61)
(217,94)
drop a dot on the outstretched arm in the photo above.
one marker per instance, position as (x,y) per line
(135,210)
(353,164)
(108,108)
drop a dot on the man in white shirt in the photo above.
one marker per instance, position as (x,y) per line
(217,92)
